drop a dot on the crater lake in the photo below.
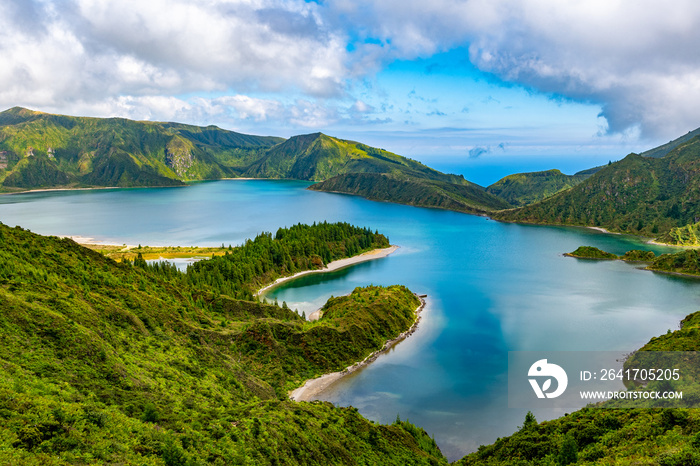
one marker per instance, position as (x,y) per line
(492,288)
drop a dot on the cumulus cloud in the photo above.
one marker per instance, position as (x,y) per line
(637,59)
(59,52)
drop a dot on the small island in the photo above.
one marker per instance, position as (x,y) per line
(590,252)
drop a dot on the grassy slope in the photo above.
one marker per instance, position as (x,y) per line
(525,188)
(74,151)
(687,235)
(639,195)
(318,157)
(664,149)
(685,262)
(106,363)
(331,343)
(619,437)
(354,168)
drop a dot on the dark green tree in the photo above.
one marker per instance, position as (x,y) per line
(529,421)
(568,454)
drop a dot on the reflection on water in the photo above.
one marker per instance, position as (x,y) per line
(296,294)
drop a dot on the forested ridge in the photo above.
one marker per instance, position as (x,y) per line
(244,269)
(638,195)
(461,196)
(40,150)
(526,188)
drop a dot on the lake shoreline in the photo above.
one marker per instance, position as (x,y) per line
(311,388)
(619,258)
(334,265)
(93,188)
(184,184)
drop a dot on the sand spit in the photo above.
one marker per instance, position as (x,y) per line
(313,387)
(335,265)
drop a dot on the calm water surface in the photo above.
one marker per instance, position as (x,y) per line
(492,288)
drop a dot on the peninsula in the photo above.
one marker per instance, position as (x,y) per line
(313,387)
(132,362)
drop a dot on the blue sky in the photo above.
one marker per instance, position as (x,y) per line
(472,82)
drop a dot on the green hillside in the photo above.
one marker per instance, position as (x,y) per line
(600,436)
(354,168)
(44,150)
(684,262)
(39,150)
(463,197)
(119,363)
(317,157)
(525,188)
(639,195)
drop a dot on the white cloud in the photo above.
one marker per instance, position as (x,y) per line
(360,107)
(637,59)
(238,112)
(251,108)
(57,52)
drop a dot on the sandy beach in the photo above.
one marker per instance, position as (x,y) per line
(313,387)
(656,243)
(335,265)
(603,230)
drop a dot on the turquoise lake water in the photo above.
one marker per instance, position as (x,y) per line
(492,288)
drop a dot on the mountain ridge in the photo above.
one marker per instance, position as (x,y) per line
(116,152)
(526,188)
(41,150)
(465,197)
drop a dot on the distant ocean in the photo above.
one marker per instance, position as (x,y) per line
(489,168)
